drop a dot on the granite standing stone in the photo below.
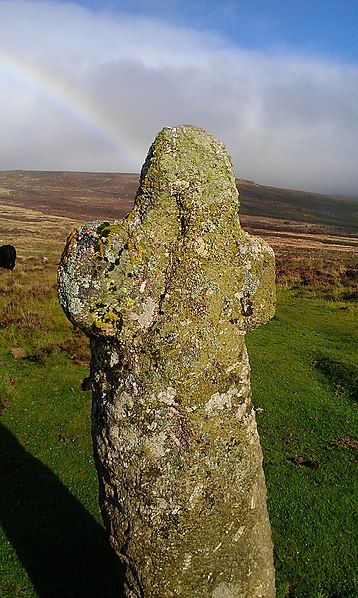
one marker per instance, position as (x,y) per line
(166,296)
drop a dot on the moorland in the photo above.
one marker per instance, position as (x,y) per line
(304,379)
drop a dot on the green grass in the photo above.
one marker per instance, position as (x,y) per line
(52,541)
(308,431)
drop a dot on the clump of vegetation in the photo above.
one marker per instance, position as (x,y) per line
(7,391)
(327,275)
(343,376)
(31,320)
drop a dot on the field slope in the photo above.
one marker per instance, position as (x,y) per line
(304,378)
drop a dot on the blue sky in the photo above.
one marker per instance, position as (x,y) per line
(322,27)
(86,85)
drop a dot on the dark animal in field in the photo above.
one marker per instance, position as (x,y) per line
(7,257)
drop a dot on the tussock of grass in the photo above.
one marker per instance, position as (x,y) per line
(76,348)
(343,376)
(8,391)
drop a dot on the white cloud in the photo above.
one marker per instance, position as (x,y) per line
(85,91)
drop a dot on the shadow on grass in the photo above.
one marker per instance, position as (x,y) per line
(63,549)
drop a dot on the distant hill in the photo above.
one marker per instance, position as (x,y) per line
(340,213)
(287,218)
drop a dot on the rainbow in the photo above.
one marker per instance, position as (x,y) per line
(75,103)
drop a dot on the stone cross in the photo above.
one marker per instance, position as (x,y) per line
(166,296)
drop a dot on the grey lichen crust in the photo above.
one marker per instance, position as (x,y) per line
(166,296)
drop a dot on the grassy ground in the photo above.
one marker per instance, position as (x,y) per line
(308,431)
(304,377)
(53,543)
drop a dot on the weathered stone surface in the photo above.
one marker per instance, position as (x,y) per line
(166,296)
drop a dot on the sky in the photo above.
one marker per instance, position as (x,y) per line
(85,85)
